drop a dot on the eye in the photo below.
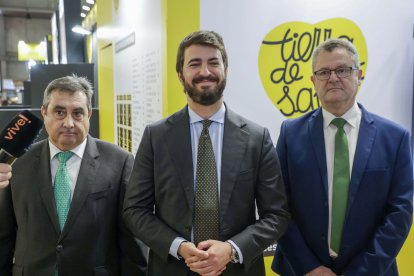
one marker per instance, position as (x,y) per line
(341,71)
(324,73)
(193,65)
(78,115)
(60,114)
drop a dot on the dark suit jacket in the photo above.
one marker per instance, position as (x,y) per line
(379,212)
(162,178)
(93,241)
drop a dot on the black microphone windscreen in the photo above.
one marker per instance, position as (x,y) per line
(20,133)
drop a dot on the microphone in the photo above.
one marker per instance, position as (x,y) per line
(18,136)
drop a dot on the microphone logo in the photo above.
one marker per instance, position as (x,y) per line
(14,130)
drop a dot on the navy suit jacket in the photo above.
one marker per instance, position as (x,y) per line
(379,211)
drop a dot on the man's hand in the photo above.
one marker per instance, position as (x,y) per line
(219,255)
(189,250)
(321,271)
(5,174)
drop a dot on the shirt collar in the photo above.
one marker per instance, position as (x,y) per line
(79,150)
(351,116)
(217,117)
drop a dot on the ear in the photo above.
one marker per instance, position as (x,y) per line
(312,78)
(43,111)
(89,113)
(359,76)
(180,77)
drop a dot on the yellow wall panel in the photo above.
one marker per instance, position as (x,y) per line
(179,19)
(105,74)
(405,257)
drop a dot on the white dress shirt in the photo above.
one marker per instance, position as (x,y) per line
(73,164)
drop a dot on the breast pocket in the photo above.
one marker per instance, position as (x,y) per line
(247,175)
(17,270)
(100,271)
(98,201)
(376,183)
(98,195)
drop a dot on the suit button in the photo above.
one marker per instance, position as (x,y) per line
(59,248)
(323,238)
(188,229)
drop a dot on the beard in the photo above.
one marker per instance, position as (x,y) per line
(205,96)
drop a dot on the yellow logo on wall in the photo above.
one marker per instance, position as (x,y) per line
(285,61)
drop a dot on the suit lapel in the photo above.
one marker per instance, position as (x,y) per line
(366,137)
(178,140)
(234,145)
(44,181)
(318,142)
(86,176)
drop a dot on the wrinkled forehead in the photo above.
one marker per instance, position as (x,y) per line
(332,59)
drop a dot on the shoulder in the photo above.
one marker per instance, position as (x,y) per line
(304,119)
(233,118)
(35,149)
(160,127)
(381,123)
(105,148)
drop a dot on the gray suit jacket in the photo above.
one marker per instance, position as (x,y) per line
(162,178)
(93,241)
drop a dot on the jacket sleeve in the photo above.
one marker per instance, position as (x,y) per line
(292,241)
(134,252)
(271,204)
(7,231)
(390,235)
(139,202)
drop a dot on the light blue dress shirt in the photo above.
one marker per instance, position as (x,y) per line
(216,131)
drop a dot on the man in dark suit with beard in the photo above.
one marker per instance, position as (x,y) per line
(204,169)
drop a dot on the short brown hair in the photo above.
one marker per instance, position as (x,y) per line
(207,38)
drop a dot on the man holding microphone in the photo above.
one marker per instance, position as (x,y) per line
(5,174)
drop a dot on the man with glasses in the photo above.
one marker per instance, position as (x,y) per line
(348,176)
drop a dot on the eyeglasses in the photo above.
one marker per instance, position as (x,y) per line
(341,72)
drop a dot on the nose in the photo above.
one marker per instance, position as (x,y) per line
(204,71)
(68,122)
(333,76)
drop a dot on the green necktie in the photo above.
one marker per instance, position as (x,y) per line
(341,178)
(206,211)
(62,187)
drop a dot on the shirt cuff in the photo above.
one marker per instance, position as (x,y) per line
(237,249)
(175,245)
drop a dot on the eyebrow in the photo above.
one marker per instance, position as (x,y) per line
(199,60)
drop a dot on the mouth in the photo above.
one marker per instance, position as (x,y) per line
(205,80)
(334,88)
(68,133)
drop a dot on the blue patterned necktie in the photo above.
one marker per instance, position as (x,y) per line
(62,187)
(206,210)
(340,185)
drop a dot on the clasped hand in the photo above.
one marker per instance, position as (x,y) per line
(209,258)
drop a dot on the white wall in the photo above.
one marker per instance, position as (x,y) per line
(386,25)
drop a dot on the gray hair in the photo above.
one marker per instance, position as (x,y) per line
(69,84)
(334,43)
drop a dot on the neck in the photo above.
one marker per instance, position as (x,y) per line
(204,111)
(337,109)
